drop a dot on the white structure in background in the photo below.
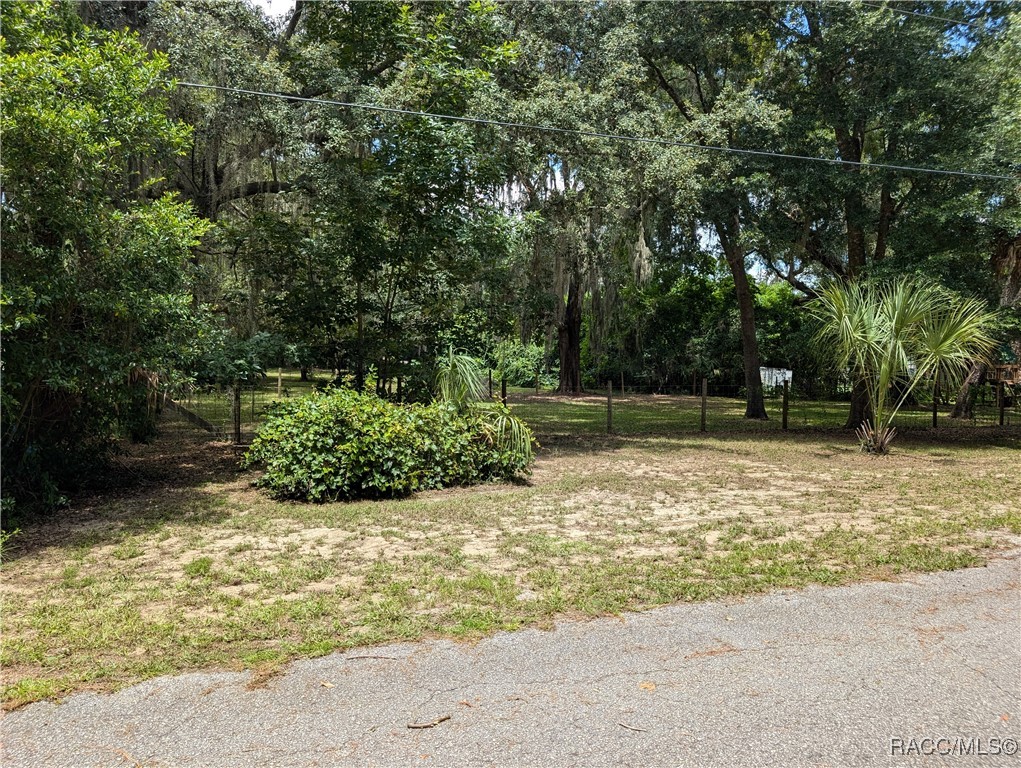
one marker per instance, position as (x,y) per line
(775,377)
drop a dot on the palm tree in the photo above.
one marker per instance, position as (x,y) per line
(459,381)
(880,332)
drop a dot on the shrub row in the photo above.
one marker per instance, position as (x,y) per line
(342,444)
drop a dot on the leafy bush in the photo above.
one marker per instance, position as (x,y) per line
(96,280)
(341,444)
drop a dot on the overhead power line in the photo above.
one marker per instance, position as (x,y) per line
(895,9)
(597,134)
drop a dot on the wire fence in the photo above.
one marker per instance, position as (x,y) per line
(654,410)
(634,410)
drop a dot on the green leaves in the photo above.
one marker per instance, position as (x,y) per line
(95,268)
(342,444)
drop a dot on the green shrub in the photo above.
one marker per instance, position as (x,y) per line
(341,444)
(519,362)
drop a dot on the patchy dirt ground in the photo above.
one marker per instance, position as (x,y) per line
(180,563)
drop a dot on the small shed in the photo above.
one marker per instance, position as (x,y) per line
(775,377)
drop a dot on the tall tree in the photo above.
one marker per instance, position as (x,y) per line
(708,60)
(578,70)
(95,269)
(405,206)
(870,84)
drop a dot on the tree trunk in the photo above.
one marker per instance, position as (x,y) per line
(964,406)
(756,406)
(1006,268)
(569,342)
(360,350)
(861,410)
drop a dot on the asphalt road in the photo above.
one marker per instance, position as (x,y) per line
(866,675)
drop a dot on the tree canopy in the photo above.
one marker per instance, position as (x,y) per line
(364,187)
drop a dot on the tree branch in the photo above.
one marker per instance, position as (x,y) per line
(675,97)
(292,25)
(253,188)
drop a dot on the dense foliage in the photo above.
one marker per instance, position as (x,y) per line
(342,444)
(95,296)
(156,232)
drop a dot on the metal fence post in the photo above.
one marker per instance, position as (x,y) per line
(503,391)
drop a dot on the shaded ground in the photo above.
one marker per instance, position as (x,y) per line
(864,675)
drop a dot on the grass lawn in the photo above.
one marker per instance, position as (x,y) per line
(183,565)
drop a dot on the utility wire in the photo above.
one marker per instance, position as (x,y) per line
(596,134)
(895,9)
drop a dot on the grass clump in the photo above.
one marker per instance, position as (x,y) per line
(343,444)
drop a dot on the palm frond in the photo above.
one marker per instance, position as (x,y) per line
(459,380)
(879,332)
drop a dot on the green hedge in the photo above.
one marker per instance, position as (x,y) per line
(342,444)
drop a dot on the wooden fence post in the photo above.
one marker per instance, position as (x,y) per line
(705,388)
(786,403)
(536,381)
(280,382)
(503,391)
(609,406)
(236,412)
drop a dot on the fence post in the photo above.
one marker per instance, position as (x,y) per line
(503,391)
(490,383)
(253,404)
(786,402)
(537,381)
(622,383)
(236,411)
(1000,399)
(935,402)
(705,387)
(280,382)
(609,406)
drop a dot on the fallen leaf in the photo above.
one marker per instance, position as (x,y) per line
(325,684)
(647,685)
